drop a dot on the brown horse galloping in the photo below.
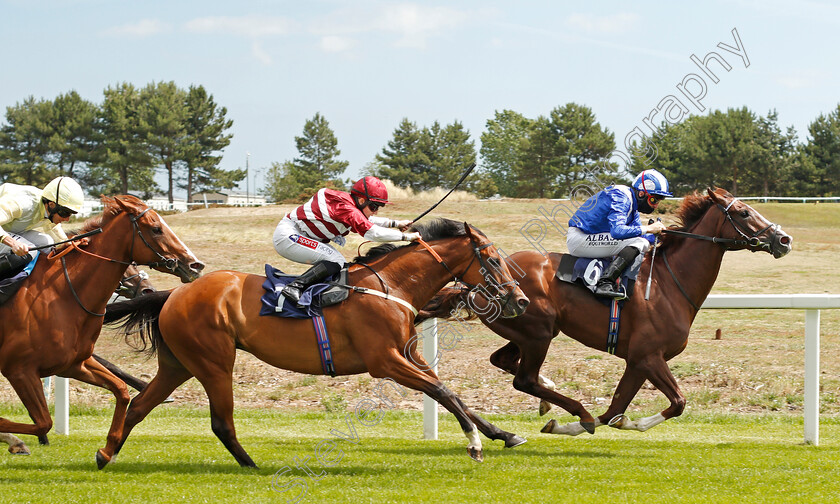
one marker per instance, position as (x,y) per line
(50,325)
(651,332)
(133,283)
(197,328)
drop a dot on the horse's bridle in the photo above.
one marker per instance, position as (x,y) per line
(503,299)
(751,241)
(126,290)
(727,243)
(168,263)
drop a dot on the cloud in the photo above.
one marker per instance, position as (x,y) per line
(334,43)
(246,26)
(413,24)
(260,54)
(142,28)
(615,24)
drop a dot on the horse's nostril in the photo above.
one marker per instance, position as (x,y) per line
(147,291)
(197,266)
(785,240)
(523,303)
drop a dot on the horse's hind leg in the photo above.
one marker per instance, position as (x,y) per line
(527,380)
(220,393)
(29,389)
(507,359)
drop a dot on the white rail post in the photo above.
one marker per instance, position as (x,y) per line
(812,377)
(62,405)
(430,353)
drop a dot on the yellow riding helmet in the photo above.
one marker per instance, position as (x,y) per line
(66,192)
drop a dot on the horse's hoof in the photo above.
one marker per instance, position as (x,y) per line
(44,440)
(515,441)
(588,427)
(617,421)
(101,459)
(545,407)
(548,428)
(19,449)
(475,454)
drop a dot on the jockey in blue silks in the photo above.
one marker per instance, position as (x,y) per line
(608,224)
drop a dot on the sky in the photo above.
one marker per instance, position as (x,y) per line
(367,64)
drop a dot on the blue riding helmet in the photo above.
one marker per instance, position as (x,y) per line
(652,182)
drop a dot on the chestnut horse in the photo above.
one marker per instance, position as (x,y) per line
(134,282)
(197,328)
(651,332)
(50,325)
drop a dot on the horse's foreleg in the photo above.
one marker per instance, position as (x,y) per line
(170,375)
(406,373)
(661,377)
(16,446)
(131,381)
(656,370)
(92,372)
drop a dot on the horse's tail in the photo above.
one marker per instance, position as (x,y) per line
(138,319)
(447,303)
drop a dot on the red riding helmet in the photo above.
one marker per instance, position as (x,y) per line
(371,188)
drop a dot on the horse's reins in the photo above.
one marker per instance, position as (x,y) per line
(168,263)
(477,254)
(502,299)
(727,243)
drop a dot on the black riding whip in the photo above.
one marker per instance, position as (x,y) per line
(77,237)
(465,175)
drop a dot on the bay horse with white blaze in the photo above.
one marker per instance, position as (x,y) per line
(651,332)
(197,328)
(50,325)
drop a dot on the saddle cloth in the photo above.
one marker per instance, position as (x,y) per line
(312,300)
(586,271)
(11,284)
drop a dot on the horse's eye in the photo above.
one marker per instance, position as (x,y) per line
(745,213)
(157,230)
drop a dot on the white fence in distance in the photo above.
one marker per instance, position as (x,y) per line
(811,303)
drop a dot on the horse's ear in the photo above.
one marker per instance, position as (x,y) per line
(719,195)
(127,204)
(468,229)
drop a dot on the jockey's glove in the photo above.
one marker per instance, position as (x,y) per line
(411,236)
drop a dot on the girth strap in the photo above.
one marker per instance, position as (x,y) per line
(323,340)
(612,334)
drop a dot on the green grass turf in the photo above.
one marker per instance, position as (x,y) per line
(173,457)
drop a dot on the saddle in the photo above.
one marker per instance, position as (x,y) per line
(316,297)
(12,280)
(586,271)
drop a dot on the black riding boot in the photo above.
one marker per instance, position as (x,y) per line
(319,271)
(9,262)
(606,286)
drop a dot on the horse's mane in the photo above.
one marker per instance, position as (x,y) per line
(693,208)
(435,230)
